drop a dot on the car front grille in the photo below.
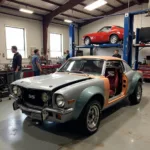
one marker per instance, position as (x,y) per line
(34,97)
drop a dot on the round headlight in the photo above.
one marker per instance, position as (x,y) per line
(17,91)
(60,101)
(45,97)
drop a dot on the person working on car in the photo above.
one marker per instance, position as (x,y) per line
(16,63)
(36,65)
(116,54)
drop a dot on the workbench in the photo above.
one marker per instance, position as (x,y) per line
(46,69)
(145,70)
(8,79)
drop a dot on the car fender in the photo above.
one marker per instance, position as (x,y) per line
(137,76)
(85,97)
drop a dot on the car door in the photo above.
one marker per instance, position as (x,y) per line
(122,81)
(129,74)
(103,34)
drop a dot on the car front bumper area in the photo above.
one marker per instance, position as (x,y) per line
(49,114)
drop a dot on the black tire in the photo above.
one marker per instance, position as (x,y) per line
(85,115)
(114,39)
(87,41)
(136,96)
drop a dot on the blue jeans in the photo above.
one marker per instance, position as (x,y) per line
(37,73)
(17,75)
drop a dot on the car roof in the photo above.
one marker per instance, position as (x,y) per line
(99,57)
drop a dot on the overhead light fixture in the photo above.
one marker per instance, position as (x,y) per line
(26,10)
(95,5)
(68,21)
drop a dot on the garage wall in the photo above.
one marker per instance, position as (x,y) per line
(140,21)
(64,30)
(34,34)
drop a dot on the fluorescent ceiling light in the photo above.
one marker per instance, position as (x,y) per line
(68,21)
(26,10)
(95,5)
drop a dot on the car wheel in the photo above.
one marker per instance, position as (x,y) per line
(136,96)
(87,41)
(114,39)
(90,117)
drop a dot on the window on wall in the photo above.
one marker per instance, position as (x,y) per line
(15,37)
(55,45)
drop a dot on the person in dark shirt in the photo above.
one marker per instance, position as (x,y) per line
(17,63)
(116,54)
(67,55)
(36,64)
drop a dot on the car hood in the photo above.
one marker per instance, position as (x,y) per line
(50,82)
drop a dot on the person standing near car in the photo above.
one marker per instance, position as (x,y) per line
(17,62)
(116,54)
(36,64)
(67,54)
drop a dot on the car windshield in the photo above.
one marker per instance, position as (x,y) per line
(86,66)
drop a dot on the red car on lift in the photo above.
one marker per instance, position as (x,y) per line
(108,34)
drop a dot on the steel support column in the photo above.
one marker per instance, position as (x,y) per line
(137,49)
(45,36)
(128,38)
(91,51)
(71,40)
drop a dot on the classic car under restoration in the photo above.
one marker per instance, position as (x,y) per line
(80,90)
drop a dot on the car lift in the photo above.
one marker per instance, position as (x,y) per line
(127,43)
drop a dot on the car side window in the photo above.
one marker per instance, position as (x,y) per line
(127,67)
(115,64)
(105,29)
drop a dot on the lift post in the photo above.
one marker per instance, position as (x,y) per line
(71,40)
(128,37)
(137,49)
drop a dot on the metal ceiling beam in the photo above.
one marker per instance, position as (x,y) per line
(121,2)
(11,8)
(29,5)
(25,4)
(52,2)
(74,9)
(68,5)
(108,13)
(15,9)
(19,16)
(137,2)
(69,16)
(2,2)
(110,5)
(83,12)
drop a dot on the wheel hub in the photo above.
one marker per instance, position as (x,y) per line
(113,39)
(87,41)
(93,117)
(139,93)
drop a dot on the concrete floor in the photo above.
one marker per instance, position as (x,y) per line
(123,127)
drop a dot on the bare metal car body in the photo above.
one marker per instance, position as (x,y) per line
(76,88)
